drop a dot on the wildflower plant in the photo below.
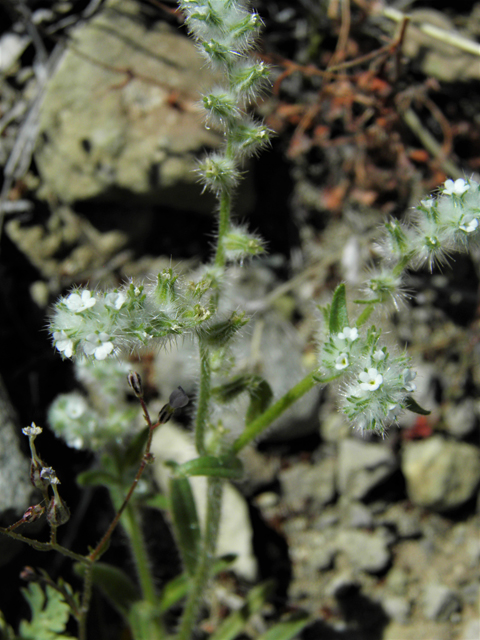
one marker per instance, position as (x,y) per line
(97,328)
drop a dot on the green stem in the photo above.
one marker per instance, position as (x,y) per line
(225,203)
(255,428)
(205,561)
(132,525)
(204,393)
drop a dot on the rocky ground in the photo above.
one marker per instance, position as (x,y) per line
(376,539)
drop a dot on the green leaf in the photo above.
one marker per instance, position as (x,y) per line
(235,623)
(50,614)
(224,466)
(179,586)
(338,311)
(287,629)
(185,521)
(143,620)
(136,448)
(95,477)
(413,406)
(157,501)
(230,390)
(115,585)
(261,396)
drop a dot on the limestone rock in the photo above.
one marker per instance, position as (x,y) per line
(363,466)
(107,134)
(440,474)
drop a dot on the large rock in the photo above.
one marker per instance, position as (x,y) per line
(108,134)
(362,466)
(440,474)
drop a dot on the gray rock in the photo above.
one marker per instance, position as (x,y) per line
(440,475)
(355,515)
(104,133)
(305,482)
(460,419)
(471,630)
(439,602)
(15,486)
(397,608)
(368,552)
(363,466)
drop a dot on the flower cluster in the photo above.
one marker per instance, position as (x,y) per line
(102,419)
(376,385)
(439,226)
(98,324)
(225,32)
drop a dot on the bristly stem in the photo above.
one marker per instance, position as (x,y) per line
(204,393)
(205,561)
(225,202)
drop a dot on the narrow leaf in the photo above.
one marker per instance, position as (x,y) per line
(224,466)
(287,629)
(185,520)
(413,406)
(115,585)
(338,311)
(95,477)
(261,395)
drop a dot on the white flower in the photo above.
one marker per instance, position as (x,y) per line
(349,334)
(75,407)
(98,345)
(32,431)
(409,375)
(370,380)
(470,226)
(115,299)
(456,188)
(77,303)
(342,362)
(379,355)
(428,204)
(63,343)
(48,474)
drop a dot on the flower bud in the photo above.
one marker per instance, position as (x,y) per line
(135,382)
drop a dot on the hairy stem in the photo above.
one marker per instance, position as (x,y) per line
(206,559)
(204,393)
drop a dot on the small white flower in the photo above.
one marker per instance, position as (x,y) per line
(80,302)
(75,407)
(48,474)
(115,300)
(63,343)
(470,226)
(98,345)
(342,362)
(379,355)
(32,431)
(393,411)
(370,380)
(349,334)
(408,375)
(428,204)
(456,188)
